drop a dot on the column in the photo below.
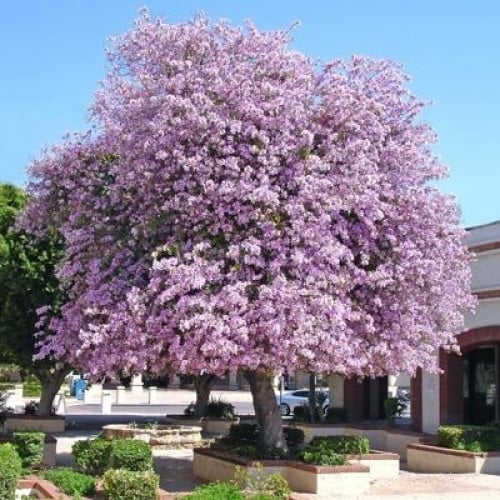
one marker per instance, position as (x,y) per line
(106,402)
(336,385)
(153,393)
(430,402)
(136,384)
(233,380)
(120,394)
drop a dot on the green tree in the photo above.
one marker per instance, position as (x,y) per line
(27,282)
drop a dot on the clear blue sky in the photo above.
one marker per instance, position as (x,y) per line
(52,58)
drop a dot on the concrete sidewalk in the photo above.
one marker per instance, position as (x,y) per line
(175,469)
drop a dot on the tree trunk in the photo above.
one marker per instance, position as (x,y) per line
(266,409)
(51,383)
(312,397)
(203,385)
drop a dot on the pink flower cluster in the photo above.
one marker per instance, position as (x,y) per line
(238,205)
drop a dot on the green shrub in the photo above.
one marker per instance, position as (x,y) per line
(29,446)
(131,454)
(122,484)
(343,445)
(293,437)
(10,471)
(244,433)
(335,415)
(322,455)
(32,388)
(216,491)
(71,482)
(217,408)
(262,484)
(469,437)
(92,456)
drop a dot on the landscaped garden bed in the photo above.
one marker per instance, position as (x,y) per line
(157,436)
(48,457)
(458,449)
(327,465)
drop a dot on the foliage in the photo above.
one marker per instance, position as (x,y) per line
(216,491)
(10,471)
(393,407)
(242,205)
(31,408)
(122,484)
(29,446)
(293,437)
(335,415)
(27,283)
(190,410)
(92,456)
(32,387)
(217,408)
(243,433)
(322,455)
(70,481)
(262,483)
(278,181)
(343,444)
(131,454)
(469,437)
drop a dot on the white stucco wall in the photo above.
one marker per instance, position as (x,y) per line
(486,271)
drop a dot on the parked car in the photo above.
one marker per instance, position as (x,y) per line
(288,400)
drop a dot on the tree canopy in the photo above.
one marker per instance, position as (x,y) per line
(27,283)
(239,205)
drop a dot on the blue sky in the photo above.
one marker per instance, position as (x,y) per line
(52,58)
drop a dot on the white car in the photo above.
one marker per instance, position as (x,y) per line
(290,399)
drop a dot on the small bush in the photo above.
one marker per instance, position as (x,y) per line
(343,445)
(217,408)
(131,454)
(122,484)
(32,388)
(31,408)
(29,446)
(216,491)
(244,433)
(262,484)
(190,410)
(93,456)
(469,437)
(293,437)
(10,471)
(335,415)
(71,482)
(322,455)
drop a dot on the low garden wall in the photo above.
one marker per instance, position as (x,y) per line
(386,439)
(49,425)
(165,436)
(208,425)
(40,488)
(352,479)
(427,457)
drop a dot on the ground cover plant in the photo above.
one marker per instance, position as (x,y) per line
(247,208)
(70,481)
(10,471)
(469,437)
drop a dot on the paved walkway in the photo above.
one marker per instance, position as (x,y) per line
(175,466)
(175,469)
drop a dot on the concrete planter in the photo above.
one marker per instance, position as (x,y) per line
(353,479)
(49,449)
(161,436)
(208,425)
(217,425)
(386,439)
(431,458)
(40,488)
(49,425)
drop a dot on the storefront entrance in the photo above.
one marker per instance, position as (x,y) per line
(480,385)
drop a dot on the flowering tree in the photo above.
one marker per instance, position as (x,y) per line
(239,206)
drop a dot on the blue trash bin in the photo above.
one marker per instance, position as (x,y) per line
(80,386)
